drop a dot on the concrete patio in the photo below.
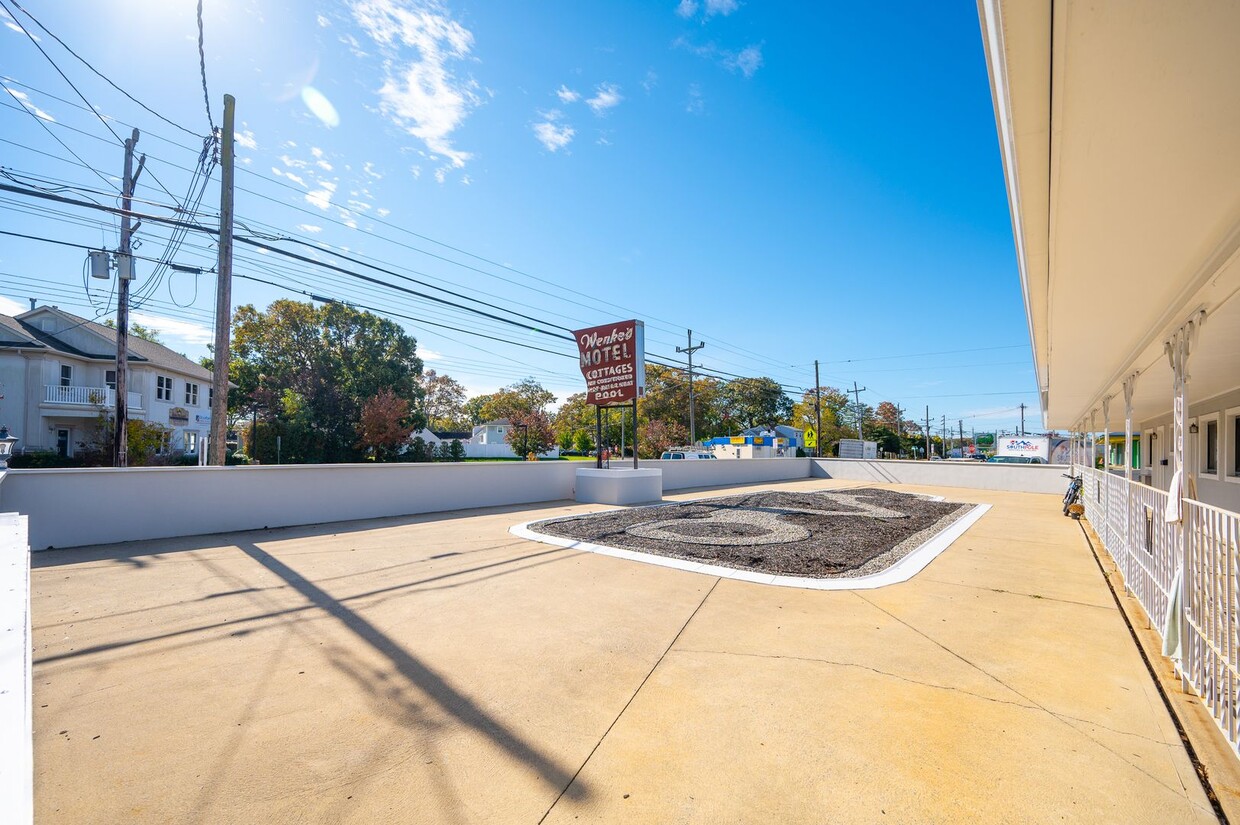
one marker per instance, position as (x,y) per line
(437,669)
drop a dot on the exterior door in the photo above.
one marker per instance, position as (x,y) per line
(62,443)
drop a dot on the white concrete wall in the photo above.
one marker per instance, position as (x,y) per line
(70,508)
(686,474)
(16,744)
(977,475)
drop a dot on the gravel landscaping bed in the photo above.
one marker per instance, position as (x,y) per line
(829,534)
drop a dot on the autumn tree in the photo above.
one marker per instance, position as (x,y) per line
(888,415)
(530,433)
(653,437)
(384,426)
(145,333)
(511,402)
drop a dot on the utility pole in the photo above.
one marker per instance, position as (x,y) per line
(945,439)
(960,424)
(927,432)
(817,410)
(857,395)
(124,274)
(223,291)
(690,350)
(1022,419)
(899,431)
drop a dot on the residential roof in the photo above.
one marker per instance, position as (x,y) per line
(140,350)
(448,435)
(499,422)
(14,335)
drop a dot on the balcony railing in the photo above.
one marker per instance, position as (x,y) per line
(88,396)
(1150,551)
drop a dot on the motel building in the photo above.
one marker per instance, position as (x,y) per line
(1120,137)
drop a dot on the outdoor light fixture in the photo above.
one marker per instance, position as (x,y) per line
(6,447)
(1153,436)
(1193,428)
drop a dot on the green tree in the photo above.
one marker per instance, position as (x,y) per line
(667,400)
(751,402)
(583,442)
(456,450)
(511,402)
(139,331)
(654,437)
(312,369)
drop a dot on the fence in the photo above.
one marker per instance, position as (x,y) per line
(1149,551)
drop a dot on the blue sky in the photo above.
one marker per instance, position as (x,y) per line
(792,181)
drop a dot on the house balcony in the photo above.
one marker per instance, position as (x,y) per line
(85,401)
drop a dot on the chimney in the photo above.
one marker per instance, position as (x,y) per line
(32,303)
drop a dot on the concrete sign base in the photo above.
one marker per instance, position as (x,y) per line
(595,486)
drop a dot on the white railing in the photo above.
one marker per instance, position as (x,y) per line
(88,396)
(1128,517)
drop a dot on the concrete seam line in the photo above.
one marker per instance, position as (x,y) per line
(1198,766)
(655,667)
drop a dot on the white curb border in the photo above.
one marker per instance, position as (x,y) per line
(901,571)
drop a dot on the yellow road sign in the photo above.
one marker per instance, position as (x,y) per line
(811,437)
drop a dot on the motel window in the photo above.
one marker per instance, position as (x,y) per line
(1231,431)
(163,388)
(191,394)
(191,442)
(211,397)
(66,375)
(109,378)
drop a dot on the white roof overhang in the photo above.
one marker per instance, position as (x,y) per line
(1120,139)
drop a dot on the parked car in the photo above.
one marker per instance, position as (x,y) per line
(688,453)
(1016,459)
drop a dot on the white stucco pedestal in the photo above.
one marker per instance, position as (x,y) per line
(595,486)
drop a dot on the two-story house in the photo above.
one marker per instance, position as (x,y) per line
(57,371)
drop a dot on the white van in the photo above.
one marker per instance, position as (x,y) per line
(688,453)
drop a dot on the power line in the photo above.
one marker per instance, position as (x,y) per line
(101,75)
(202,66)
(22,106)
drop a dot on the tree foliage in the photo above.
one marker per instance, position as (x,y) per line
(384,426)
(753,402)
(310,371)
(443,402)
(530,433)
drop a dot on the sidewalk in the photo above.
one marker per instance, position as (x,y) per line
(437,669)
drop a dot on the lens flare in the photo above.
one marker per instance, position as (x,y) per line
(320,106)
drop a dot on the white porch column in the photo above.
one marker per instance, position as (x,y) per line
(1106,470)
(1178,348)
(1129,385)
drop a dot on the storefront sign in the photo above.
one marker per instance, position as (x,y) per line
(178,415)
(613,361)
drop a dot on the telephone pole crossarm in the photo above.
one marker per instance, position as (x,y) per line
(689,350)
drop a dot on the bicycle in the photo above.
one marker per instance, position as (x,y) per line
(1073,494)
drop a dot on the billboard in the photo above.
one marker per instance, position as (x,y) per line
(613,361)
(1024,445)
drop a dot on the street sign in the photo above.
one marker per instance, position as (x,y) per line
(811,437)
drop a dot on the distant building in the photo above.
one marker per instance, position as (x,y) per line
(756,442)
(58,371)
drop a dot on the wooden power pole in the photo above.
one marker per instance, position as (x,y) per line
(124,274)
(690,350)
(223,292)
(817,411)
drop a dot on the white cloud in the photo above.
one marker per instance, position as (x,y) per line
(747,61)
(25,101)
(293,163)
(383,213)
(182,331)
(650,81)
(721,7)
(245,140)
(567,95)
(309,227)
(321,197)
(18,29)
(687,8)
(358,206)
(323,21)
(606,96)
(297,179)
(369,169)
(695,104)
(419,92)
(316,151)
(11,307)
(429,354)
(552,134)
